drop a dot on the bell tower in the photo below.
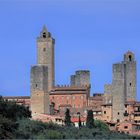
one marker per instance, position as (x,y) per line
(130,76)
(45,54)
(42,74)
(123,85)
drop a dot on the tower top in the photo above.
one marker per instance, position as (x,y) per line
(44,33)
(44,29)
(129,56)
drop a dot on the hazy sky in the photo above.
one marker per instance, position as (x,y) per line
(89,34)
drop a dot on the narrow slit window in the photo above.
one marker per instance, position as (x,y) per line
(44,49)
(130,58)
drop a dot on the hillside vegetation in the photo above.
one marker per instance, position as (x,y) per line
(16,123)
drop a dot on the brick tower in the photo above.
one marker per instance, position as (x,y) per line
(42,74)
(123,85)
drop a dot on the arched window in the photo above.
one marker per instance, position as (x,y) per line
(44,35)
(130,58)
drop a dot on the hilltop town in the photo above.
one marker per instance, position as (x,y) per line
(117,106)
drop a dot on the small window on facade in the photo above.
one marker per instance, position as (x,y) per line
(130,58)
(104,112)
(36,85)
(130,84)
(44,49)
(118,120)
(118,113)
(125,127)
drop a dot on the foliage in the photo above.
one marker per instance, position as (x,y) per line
(90,120)
(7,128)
(79,122)
(13,111)
(101,125)
(10,113)
(19,127)
(67,117)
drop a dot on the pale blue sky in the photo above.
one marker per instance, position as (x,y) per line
(89,34)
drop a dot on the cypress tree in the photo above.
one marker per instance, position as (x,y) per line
(90,120)
(67,118)
(79,123)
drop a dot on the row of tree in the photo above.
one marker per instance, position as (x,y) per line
(89,121)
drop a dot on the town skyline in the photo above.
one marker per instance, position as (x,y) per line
(77,47)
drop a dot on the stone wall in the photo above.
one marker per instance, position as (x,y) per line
(118,92)
(39,90)
(107,97)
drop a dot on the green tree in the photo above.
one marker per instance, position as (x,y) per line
(67,118)
(79,121)
(7,128)
(90,120)
(13,111)
(101,125)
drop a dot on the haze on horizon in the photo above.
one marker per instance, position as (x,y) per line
(89,34)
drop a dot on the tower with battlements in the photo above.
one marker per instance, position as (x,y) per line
(81,78)
(45,54)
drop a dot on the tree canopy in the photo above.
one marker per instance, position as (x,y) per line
(90,120)
(20,126)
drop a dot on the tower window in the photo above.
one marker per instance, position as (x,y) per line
(44,49)
(125,127)
(118,120)
(36,85)
(44,35)
(118,113)
(130,58)
(130,84)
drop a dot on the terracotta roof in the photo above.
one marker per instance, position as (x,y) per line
(77,119)
(68,92)
(137,104)
(108,104)
(16,97)
(129,102)
(65,105)
(128,122)
(70,88)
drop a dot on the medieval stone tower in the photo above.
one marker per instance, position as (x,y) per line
(123,85)
(42,74)
(81,78)
(45,54)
